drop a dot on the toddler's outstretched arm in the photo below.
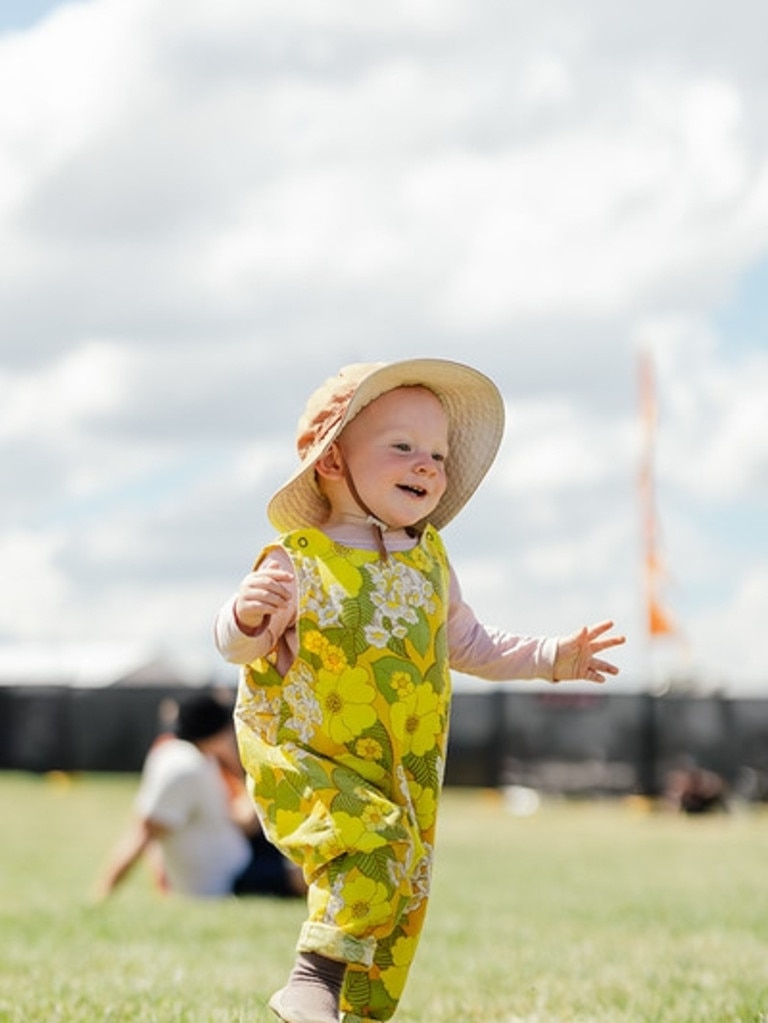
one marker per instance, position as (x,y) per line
(577,654)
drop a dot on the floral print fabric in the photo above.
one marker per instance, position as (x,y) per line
(345,755)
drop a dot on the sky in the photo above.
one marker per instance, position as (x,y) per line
(206,209)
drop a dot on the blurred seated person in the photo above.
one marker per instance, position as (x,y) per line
(192,806)
(693,790)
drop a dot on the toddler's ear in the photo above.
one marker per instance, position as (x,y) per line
(330,465)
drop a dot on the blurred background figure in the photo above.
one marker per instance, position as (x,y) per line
(194,821)
(693,790)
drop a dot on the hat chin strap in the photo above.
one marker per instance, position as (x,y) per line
(377,524)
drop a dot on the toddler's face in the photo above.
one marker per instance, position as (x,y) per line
(396,450)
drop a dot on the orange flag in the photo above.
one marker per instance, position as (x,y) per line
(659,621)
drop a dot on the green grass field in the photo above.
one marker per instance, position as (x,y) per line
(582,913)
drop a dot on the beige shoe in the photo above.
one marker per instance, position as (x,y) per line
(293,1015)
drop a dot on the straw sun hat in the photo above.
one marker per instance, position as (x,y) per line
(475,425)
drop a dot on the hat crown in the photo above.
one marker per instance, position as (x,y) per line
(327,406)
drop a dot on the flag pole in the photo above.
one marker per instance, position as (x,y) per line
(657,620)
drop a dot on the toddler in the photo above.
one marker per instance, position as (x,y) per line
(347,629)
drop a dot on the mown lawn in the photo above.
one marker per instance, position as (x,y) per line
(581,913)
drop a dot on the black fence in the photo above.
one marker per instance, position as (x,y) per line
(553,741)
(606,743)
(65,729)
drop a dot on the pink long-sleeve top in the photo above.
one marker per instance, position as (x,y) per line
(474,648)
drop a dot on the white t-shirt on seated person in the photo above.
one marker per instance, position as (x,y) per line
(182,790)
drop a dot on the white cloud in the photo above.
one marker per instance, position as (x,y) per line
(603,215)
(65,396)
(552,447)
(723,643)
(69,77)
(712,436)
(33,593)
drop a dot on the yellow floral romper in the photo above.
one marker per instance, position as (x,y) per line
(345,754)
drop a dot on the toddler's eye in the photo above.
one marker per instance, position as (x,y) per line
(402,447)
(438,457)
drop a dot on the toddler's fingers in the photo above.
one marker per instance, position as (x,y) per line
(270,571)
(597,630)
(606,644)
(259,595)
(604,667)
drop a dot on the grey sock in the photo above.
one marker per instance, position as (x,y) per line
(314,987)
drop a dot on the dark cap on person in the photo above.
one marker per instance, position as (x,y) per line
(201,716)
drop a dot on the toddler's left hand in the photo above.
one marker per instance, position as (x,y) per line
(576,654)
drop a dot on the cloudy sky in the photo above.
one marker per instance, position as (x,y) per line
(205,209)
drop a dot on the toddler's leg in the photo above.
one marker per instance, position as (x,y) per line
(312,992)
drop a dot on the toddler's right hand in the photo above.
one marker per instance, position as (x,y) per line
(267,590)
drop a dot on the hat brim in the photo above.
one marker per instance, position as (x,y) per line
(475,411)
